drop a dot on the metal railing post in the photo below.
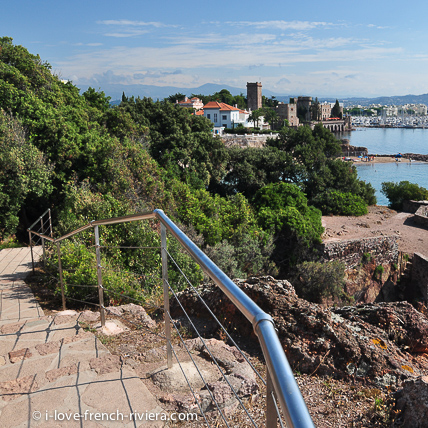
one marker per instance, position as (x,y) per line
(50,223)
(99,276)
(164,256)
(271,415)
(61,280)
(31,249)
(43,242)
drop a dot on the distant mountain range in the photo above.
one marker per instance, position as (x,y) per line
(115,91)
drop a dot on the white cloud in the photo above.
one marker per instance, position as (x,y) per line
(241,51)
(128,23)
(284,25)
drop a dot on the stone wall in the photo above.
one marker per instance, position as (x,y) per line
(421,216)
(383,248)
(246,140)
(420,273)
(413,206)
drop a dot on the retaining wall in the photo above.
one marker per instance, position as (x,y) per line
(421,216)
(413,206)
(383,248)
(246,140)
(420,273)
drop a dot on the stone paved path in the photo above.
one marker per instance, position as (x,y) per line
(55,374)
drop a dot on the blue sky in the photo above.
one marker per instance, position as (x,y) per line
(330,48)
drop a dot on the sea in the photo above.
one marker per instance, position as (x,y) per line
(390,141)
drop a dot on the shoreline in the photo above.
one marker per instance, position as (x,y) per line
(373,159)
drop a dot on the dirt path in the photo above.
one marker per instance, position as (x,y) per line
(380,221)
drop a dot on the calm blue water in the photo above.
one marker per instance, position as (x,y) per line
(388,141)
(391,141)
(415,172)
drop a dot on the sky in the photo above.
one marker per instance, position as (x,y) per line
(325,49)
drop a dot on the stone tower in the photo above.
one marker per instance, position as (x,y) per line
(254,95)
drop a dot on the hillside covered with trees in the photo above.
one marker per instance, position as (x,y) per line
(252,210)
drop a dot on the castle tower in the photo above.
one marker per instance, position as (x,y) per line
(254,95)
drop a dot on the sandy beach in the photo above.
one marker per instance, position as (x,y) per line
(380,159)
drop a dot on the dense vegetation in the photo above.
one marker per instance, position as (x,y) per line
(253,211)
(397,193)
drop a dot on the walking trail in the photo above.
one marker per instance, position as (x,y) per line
(55,374)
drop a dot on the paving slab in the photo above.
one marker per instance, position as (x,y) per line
(53,373)
(17,302)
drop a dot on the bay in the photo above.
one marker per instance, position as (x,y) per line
(388,141)
(377,173)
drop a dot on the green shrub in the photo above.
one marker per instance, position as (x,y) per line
(80,275)
(397,193)
(378,272)
(315,281)
(282,208)
(366,257)
(340,203)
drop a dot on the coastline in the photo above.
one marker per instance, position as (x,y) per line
(372,159)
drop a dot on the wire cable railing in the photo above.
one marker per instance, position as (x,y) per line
(280,383)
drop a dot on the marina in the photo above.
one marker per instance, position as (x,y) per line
(407,122)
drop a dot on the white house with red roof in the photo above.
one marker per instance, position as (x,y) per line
(194,103)
(223,115)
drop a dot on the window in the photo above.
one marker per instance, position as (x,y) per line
(224,117)
(215,117)
(208,116)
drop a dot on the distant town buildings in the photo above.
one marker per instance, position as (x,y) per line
(298,111)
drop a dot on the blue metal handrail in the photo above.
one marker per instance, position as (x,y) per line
(280,375)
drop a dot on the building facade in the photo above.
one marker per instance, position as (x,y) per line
(223,115)
(193,103)
(288,112)
(254,96)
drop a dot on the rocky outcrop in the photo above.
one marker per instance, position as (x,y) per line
(212,383)
(374,343)
(412,403)
(348,150)
(416,157)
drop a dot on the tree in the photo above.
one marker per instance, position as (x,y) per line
(271,117)
(179,141)
(255,116)
(315,165)
(283,209)
(336,110)
(250,169)
(24,173)
(316,110)
(397,193)
(175,97)
(98,100)
(302,113)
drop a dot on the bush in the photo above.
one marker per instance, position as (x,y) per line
(340,203)
(282,208)
(80,275)
(378,272)
(366,258)
(315,281)
(397,193)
